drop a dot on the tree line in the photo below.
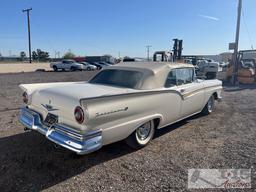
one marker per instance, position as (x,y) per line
(40,55)
(37,55)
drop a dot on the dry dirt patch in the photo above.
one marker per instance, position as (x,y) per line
(23,67)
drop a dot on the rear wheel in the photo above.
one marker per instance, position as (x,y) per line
(88,69)
(208,108)
(55,68)
(142,135)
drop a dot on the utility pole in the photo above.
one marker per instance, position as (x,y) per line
(29,40)
(235,57)
(148,47)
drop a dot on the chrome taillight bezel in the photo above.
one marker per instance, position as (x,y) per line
(79,114)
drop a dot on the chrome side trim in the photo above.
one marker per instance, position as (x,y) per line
(139,93)
(61,134)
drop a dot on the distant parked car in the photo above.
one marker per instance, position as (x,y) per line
(110,63)
(88,66)
(223,64)
(99,65)
(105,63)
(70,65)
(189,61)
(207,69)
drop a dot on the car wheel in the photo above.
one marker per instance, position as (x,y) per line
(55,68)
(88,69)
(208,108)
(72,69)
(141,136)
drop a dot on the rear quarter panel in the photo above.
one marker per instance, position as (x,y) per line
(118,116)
(211,87)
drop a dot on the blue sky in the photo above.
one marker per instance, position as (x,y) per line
(96,27)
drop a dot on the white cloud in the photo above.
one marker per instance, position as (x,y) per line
(209,17)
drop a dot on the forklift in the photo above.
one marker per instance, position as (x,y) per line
(167,56)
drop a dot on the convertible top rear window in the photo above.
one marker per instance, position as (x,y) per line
(116,77)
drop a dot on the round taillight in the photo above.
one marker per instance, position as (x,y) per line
(25,97)
(79,114)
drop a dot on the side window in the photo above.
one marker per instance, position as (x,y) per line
(64,62)
(185,76)
(171,79)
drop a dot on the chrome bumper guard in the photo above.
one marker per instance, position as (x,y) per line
(61,134)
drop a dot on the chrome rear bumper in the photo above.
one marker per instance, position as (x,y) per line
(61,134)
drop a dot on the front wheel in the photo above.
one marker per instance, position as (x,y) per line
(208,108)
(142,135)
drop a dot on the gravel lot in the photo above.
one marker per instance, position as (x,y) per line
(28,162)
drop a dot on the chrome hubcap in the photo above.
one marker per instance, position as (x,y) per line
(143,131)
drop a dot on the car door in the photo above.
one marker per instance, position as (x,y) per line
(192,92)
(62,65)
(65,65)
(68,64)
(172,98)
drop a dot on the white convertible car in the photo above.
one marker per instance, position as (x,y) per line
(126,101)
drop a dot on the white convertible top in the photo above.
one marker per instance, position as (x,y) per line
(155,73)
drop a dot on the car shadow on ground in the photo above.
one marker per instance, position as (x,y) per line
(31,162)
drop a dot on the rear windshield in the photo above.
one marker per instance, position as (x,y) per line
(120,78)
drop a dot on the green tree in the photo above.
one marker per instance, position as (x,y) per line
(22,55)
(69,55)
(34,56)
(42,55)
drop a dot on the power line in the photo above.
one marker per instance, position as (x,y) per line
(246,27)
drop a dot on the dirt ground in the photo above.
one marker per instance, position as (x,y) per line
(23,67)
(28,162)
